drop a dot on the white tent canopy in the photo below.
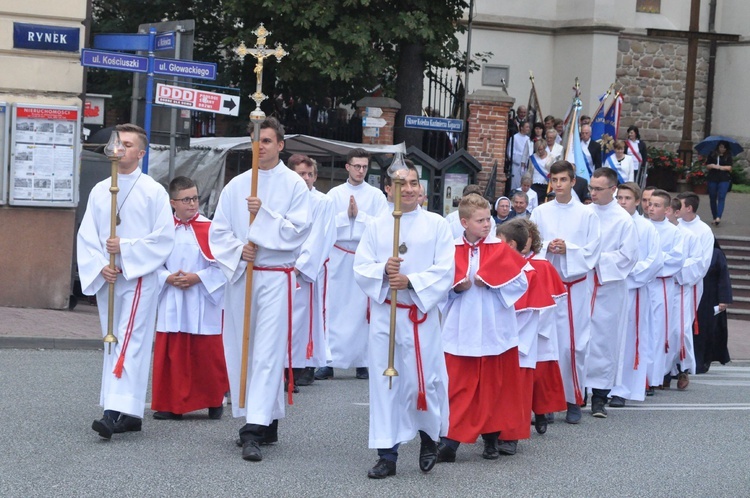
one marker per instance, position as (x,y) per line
(205,160)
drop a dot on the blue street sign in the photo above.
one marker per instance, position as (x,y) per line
(439,124)
(44,37)
(133,42)
(165,41)
(113,60)
(186,69)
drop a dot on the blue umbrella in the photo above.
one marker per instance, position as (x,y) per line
(709,144)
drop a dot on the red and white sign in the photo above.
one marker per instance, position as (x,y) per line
(93,111)
(199,100)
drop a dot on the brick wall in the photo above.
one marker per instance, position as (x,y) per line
(488,129)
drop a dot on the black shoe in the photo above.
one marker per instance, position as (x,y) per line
(650,391)
(490,448)
(215,412)
(551,418)
(295,389)
(167,416)
(445,453)
(617,402)
(324,373)
(540,423)
(382,469)
(271,434)
(104,427)
(574,414)
(126,423)
(363,373)
(251,451)
(307,377)
(427,454)
(507,447)
(597,408)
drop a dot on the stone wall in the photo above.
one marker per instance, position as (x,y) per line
(653,74)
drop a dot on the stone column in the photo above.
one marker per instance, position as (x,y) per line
(488,130)
(390,107)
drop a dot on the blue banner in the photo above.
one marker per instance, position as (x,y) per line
(42,37)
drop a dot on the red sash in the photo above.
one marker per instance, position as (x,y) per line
(637,325)
(498,263)
(635,152)
(129,329)
(576,383)
(200,231)
(666,313)
(414,317)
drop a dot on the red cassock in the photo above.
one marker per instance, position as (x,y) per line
(548,391)
(484,391)
(189,369)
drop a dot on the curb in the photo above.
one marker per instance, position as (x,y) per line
(50,343)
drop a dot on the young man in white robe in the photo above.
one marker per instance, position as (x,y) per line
(609,303)
(190,372)
(571,235)
(480,338)
(704,236)
(663,291)
(356,204)
(309,342)
(521,153)
(422,275)
(268,247)
(144,240)
(636,355)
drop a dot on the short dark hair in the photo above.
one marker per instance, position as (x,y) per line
(472,188)
(633,187)
(635,129)
(663,194)
(388,181)
(516,231)
(132,128)
(180,183)
(536,236)
(691,199)
(562,166)
(675,204)
(358,152)
(648,188)
(273,123)
(296,159)
(607,173)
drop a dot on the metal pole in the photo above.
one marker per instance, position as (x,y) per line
(465,110)
(173,110)
(149,94)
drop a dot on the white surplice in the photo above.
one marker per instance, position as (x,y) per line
(618,256)
(636,355)
(197,309)
(429,265)
(308,320)
(664,295)
(579,227)
(146,236)
(347,313)
(279,229)
(520,158)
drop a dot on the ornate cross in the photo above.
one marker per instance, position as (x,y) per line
(261,52)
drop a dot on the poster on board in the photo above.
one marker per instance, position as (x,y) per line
(3,153)
(453,188)
(44,154)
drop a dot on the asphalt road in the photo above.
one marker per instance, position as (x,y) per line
(691,443)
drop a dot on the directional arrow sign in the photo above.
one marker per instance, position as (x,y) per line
(113,60)
(373,122)
(187,98)
(186,69)
(373,112)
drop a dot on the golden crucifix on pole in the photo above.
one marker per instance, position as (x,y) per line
(260,52)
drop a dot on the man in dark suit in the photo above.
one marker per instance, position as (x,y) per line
(594,147)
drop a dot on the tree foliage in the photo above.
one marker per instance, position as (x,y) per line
(341,48)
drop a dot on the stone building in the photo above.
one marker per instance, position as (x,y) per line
(603,42)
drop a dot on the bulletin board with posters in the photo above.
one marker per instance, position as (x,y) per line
(44,154)
(3,152)
(453,187)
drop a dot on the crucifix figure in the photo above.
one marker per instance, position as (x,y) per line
(693,35)
(261,52)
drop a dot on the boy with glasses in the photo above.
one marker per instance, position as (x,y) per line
(189,368)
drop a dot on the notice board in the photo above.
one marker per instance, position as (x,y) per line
(44,155)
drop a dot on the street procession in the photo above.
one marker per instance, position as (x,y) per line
(527,255)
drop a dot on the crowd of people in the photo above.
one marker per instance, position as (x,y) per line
(493,324)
